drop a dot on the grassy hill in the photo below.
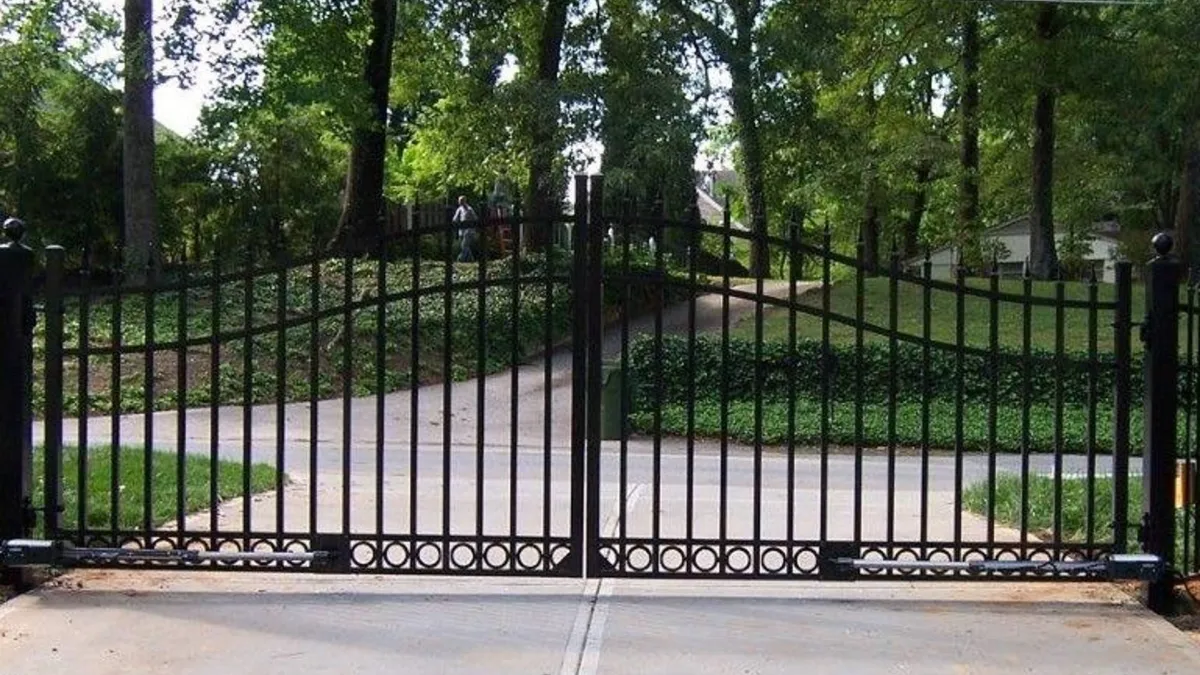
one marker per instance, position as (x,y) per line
(877,304)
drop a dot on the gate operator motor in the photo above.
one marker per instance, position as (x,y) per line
(44,553)
(1138,566)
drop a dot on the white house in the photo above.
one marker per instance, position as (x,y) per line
(1014,238)
(708,199)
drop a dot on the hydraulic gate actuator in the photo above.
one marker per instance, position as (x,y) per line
(1139,566)
(46,553)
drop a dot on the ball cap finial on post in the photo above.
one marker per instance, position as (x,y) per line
(1162,243)
(14,230)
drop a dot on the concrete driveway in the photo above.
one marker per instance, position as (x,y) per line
(101,623)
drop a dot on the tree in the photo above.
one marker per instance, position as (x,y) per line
(542,203)
(869,229)
(883,136)
(141,198)
(968,191)
(1043,258)
(647,126)
(362,213)
(734,43)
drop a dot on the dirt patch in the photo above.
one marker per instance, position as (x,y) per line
(1187,608)
(30,579)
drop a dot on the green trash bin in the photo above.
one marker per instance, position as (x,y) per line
(612,380)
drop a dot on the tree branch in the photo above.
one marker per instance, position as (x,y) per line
(721,42)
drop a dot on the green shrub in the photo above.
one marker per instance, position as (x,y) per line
(842,431)
(873,369)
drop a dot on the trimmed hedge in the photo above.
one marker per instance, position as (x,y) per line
(942,432)
(878,372)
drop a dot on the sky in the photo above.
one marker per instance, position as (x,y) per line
(176,108)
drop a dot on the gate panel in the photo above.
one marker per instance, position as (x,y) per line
(773,428)
(328,403)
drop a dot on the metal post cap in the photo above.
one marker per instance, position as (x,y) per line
(14,230)
(1162,243)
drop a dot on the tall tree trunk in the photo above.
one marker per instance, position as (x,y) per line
(745,113)
(920,204)
(1043,256)
(968,190)
(362,217)
(1166,193)
(542,204)
(1187,212)
(869,229)
(869,232)
(140,233)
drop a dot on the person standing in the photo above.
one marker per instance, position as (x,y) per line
(468,232)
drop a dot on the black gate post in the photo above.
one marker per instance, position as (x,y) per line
(16,365)
(1161,336)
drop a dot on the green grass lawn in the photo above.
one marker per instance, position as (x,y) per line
(164,488)
(1074,509)
(943,314)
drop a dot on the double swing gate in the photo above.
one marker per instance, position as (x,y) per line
(602,394)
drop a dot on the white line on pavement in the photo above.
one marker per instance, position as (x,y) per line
(582,654)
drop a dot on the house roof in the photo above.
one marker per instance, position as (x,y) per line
(712,211)
(1023,225)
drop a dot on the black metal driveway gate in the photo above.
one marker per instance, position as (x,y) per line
(644,409)
(878,422)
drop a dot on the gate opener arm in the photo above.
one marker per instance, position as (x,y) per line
(1139,566)
(40,552)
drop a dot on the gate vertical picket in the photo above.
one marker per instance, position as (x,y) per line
(53,383)
(592,278)
(579,335)
(1122,337)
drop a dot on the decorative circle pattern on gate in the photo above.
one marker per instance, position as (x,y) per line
(519,556)
(633,558)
